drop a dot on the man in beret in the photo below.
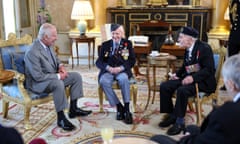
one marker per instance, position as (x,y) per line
(221,126)
(115,61)
(198,67)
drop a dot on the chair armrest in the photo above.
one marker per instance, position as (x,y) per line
(20,79)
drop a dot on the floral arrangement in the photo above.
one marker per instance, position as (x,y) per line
(43,15)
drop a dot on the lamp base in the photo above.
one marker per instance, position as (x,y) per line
(82,26)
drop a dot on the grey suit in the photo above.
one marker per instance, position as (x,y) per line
(41,76)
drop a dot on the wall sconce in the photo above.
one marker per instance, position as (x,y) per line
(82,11)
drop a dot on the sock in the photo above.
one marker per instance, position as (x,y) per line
(73,104)
(180,120)
(60,115)
(126,107)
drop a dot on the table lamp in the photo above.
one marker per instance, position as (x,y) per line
(82,11)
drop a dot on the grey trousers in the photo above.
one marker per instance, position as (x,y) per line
(106,81)
(57,87)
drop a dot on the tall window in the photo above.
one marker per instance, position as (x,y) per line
(9,17)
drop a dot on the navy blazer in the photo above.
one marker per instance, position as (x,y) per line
(201,54)
(106,57)
(220,127)
(10,135)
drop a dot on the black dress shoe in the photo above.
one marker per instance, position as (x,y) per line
(120,115)
(176,129)
(128,118)
(66,125)
(78,112)
(167,121)
(223,88)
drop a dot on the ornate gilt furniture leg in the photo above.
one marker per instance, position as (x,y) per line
(100,94)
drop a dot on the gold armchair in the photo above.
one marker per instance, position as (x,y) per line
(133,95)
(133,91)
(13,90)
(201,97)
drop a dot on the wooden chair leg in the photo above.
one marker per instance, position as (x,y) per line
(153,99)
(199,113)
(148,100)
(27,124)
(198,106)
(133,91)
(5,105)
(100,94)
(190,106)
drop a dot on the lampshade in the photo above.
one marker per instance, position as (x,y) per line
(82,11)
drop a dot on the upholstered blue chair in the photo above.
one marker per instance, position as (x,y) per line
(12,77)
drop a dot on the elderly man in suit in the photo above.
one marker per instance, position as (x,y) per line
(115,62)
(221,126)
(45,74)
(198,67)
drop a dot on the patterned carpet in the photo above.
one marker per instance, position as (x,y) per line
(43,117)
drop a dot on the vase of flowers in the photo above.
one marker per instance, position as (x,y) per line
(43,15)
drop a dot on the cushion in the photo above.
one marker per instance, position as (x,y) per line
(6,54)
(18,61)
(6,57)
(13,91)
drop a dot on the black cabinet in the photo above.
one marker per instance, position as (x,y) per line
(177,16)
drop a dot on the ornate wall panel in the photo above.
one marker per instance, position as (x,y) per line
(196,17)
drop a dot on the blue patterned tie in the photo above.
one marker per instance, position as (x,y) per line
(116,49)
(51,56)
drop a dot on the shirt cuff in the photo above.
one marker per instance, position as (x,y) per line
(122,68)
(107,67)
(58,75)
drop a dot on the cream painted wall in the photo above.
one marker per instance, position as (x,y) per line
(61,11)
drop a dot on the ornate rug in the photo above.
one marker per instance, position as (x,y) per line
(43,117)
(95,138)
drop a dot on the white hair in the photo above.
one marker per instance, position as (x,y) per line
(45,29)
(231,70)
